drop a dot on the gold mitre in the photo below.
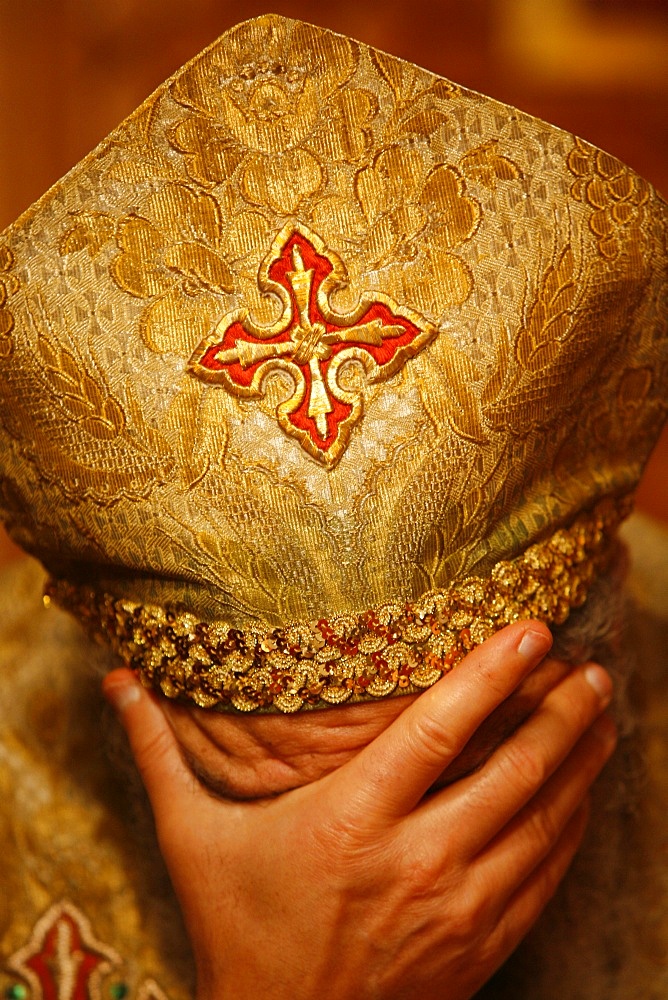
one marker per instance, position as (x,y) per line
(321,368)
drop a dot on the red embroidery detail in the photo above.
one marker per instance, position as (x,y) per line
(311,342)
(63,960)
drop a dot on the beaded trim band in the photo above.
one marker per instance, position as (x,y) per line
(396,648)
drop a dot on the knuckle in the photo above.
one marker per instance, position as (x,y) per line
(422,874)
(429,741)
(357,866)
(547,882)
(525,765)
(495,681)
(474,916)
(503,939)
(152,751)
(343,834)
(543,827)
(347,835)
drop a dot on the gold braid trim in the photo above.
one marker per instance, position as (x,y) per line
(396,648)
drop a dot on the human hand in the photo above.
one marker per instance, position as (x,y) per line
(361,885)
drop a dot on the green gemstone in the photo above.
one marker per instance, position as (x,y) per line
(16,992)
(119,991)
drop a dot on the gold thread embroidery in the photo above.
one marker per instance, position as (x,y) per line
(488,439)
(311,343)
(414,217)
(63,958)
(397,648)
(86,400)
(8,284)
(616,195)
(487,166)
(172,255)
(75,388)
(266,117)
(90,231)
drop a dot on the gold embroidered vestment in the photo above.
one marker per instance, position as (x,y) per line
(313,355)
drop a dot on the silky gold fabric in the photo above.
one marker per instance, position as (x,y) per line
(479,355)
(393,649)
(70,841)
(86,912)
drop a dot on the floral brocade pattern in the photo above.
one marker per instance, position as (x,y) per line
(269,117)
(384,651)
(7,286)
(617,196)
(316,331)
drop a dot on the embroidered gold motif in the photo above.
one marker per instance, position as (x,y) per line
(90,231)
(85,400)
(616,194)
(102,438)
(400,648)
(63,959)
(7,286)
(407,216)
(312,343)
(172,254)
(487,166)
(263,106)
(270,499)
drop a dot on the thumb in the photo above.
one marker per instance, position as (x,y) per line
(154,746)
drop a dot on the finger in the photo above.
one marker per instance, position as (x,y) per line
(482,804)
(479,806)
(389,777)
(529,838)
(166,777)
(506,719)
(531,898)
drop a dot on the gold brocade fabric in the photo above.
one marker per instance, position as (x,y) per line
(85,907)
(73,854)
(315,331)
(396,649)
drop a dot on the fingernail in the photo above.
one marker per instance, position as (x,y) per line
(122,695)
(600,681)
(534,645)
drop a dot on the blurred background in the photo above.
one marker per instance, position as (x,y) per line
(70,70)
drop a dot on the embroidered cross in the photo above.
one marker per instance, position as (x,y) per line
(63,960)
(313,343)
